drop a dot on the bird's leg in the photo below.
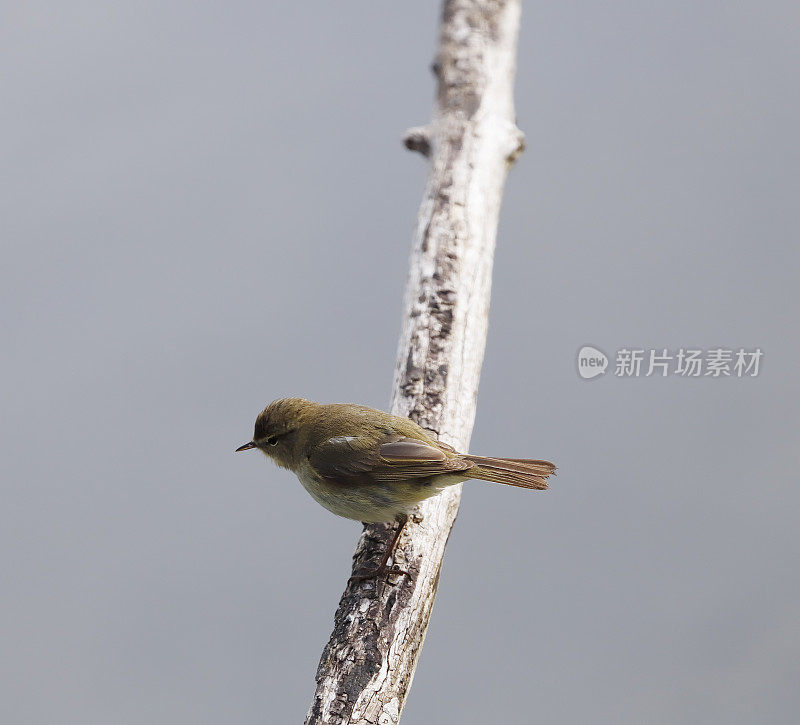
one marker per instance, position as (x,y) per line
(382,568)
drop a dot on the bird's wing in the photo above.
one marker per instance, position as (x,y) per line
(355,460)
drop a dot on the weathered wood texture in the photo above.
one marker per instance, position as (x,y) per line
(367,666)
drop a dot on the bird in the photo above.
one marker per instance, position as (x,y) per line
(372,466)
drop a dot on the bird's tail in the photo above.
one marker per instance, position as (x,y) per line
(522,472)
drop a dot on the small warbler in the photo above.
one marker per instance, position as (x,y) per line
(372,466)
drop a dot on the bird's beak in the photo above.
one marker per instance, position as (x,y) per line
(245,447)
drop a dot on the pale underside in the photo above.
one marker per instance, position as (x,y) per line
(377,503)
(377,487)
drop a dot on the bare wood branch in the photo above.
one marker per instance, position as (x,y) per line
(367,666)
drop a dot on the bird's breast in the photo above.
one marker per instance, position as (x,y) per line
(368,502)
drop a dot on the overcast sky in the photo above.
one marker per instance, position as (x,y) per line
(205,206)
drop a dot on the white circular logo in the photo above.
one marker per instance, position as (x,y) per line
(591,362)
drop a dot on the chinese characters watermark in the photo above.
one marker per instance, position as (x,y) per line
(685,362)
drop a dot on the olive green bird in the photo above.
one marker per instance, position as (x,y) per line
(372,466)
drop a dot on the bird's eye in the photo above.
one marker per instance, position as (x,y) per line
(272,441)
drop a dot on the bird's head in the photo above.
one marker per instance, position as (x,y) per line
(279,429)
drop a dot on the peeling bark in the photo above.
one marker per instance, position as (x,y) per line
(367,666)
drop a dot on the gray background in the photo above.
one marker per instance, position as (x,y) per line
(206,206)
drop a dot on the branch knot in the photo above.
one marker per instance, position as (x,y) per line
(418,139)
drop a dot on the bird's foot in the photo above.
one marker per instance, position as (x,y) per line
(383,570)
